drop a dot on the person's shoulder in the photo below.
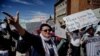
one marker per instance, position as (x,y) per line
(96,36)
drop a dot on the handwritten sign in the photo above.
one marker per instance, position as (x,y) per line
(60,32)
(80,20)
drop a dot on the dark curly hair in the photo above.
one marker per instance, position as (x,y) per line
(42,25)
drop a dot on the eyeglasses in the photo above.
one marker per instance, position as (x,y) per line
(46,30)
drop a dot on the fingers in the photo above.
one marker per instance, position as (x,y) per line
(17,15)
(8,14)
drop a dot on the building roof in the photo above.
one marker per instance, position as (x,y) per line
(58,2)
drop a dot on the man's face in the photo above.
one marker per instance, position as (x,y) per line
(46,31)
(91,31)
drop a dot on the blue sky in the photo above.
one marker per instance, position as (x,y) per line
(28,9)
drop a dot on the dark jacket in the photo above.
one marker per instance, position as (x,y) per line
(35,41)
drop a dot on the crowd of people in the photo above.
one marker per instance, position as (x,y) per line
(19,42)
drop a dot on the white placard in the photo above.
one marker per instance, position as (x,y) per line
(59,31)
(80,20)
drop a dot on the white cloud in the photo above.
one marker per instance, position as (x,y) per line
(35,16)
(40,2)
(34,2)
(7,6)
(10,6)
(22,2)
(3,5)
(39,14)
(30,20)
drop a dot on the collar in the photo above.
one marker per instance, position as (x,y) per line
(44,38)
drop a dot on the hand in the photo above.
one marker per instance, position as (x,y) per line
(12,20)
(15,22)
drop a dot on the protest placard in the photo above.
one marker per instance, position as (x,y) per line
(59,31)
(80,20)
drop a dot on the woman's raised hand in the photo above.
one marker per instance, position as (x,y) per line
(15,22)
(12,20)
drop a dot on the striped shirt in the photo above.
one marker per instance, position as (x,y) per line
(93,46)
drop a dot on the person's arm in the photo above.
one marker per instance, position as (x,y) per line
(28,37)
(61,43)
(69,34)
(83,39)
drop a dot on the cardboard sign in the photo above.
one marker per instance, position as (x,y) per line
(59,31)
(80,20)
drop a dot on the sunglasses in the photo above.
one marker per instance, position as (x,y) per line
(46,30)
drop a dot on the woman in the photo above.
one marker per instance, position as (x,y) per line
(43,44)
